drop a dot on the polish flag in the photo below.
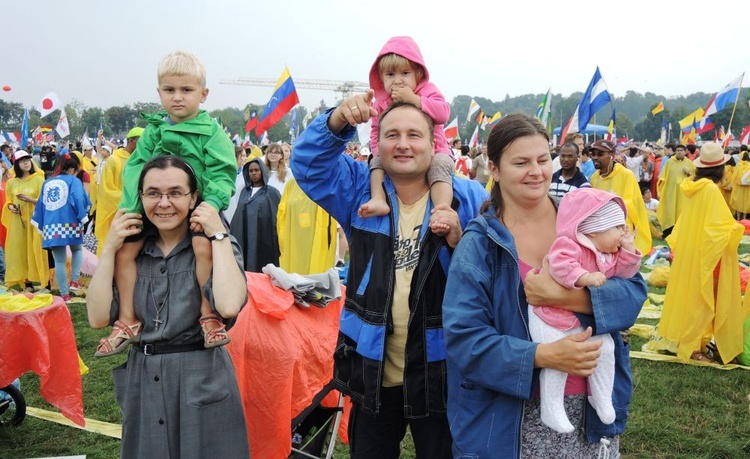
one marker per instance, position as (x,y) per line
(451,130)
(474,138)
(745,135)
(49,104)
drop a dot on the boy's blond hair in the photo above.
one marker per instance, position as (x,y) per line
(181,63)
(392,61)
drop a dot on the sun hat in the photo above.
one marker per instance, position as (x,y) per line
(712,155)
(20,154)
(135,132)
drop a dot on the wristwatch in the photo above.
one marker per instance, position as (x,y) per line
(218,236)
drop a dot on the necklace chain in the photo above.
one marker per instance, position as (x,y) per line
(158,307)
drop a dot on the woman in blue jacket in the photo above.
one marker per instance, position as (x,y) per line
(493,397)
(60,214)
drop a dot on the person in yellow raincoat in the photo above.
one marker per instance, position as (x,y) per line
(110,187)
(307,234)
(616,178)
(88,164)
(725,185)
(740,199)
(703,300)
(25,259)
(675,170)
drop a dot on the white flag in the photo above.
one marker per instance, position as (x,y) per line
(264,140)
(85,142)
(62,127)
(473,108)
(49,104)
(474,138)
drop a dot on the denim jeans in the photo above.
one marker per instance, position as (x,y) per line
(2,264)
(60,254)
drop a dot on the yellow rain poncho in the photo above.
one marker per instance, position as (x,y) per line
(24,257)
(622,182)
(307,234)
(740,200)
(668,188)
(89,165)
(110,193)
(726,185)
(696,305)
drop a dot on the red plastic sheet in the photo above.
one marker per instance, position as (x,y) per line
(283,356)
(43,341)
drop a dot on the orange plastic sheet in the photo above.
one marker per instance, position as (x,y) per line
(283,356)
(42,341)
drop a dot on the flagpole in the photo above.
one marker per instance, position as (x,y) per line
(735,102)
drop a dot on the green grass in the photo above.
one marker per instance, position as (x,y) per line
(678,411)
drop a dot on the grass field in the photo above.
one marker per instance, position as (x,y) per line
(678,411)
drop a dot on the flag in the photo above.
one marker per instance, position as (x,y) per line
(85,142)
(474,138)
(37,135)
(293,127)
(480,117)
(12,137)
(595,97)
(252,122)
(283,99)
(611,127)
(50,137)
(564,130)
(658,109)
(451,130)
(719,134)
(307,119)
(726,95)
(705,125)
(25,128)
(544,109)
(236,139)
(485,122)
(49,104)
(473,108)
(63,128)
(663,133)
(495,118)
(686,124)
(264,140)
(728,138)
(745,135)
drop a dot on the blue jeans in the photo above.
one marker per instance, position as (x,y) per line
(2,264)
(60,254)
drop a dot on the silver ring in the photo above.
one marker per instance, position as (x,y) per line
(354,108)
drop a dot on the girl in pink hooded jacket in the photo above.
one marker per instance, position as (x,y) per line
(399,74)
(593,244)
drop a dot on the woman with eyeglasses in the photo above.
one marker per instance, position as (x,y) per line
(178,398)
(60,215)
(25,259)
(278,170)
(254,221)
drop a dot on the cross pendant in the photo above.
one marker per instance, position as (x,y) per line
(157,322)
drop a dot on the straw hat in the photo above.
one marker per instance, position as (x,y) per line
(712,155)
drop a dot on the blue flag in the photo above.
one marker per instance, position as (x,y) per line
(25,128)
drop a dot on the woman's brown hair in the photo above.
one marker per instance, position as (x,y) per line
(281,171)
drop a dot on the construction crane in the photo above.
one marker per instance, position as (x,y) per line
(346,88)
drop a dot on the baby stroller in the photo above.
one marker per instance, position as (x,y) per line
(12,405)
(314,429)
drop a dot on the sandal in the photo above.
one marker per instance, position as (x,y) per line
(213,337)
(120,331)
(701,357)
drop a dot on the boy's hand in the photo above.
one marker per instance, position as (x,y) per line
(123,225)
(353,111)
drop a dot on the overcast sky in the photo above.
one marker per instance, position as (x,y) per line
(105,52)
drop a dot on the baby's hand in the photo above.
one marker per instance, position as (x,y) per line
(591,280)
(628,240)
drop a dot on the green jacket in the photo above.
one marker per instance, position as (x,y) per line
(199,141)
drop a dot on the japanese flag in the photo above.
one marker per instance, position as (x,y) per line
(49,104)
(62,126)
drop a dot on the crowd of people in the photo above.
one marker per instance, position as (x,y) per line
(487,289)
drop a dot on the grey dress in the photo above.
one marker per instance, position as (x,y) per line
(180,405)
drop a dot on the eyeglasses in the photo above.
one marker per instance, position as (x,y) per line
(155,196)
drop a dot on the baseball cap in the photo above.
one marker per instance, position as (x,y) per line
(20,154)
(603,145)
(108,148)
(135,132)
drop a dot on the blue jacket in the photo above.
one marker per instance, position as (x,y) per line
(341,185)
(61,211)
(490,354)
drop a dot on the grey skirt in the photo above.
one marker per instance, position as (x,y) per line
(539,441)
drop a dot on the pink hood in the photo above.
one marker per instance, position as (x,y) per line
(404,47)
(579,204)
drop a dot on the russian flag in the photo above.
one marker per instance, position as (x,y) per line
(284,98)
(726,95)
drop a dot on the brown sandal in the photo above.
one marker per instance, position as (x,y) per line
(213,337)
(120,331)
(701,357)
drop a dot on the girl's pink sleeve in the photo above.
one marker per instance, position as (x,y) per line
(564,262)
(628,263)
(434,104)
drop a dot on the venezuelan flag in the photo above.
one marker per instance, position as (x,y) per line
(284,98)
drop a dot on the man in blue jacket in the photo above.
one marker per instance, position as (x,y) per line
(390,356)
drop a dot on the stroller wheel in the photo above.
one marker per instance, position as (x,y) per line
(12,406)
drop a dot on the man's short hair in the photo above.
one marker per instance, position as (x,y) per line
(455,141)
(571,144)
(572,136)
(180,63)
(395,105)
